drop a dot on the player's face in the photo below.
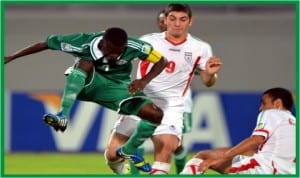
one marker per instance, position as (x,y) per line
(178,24)
(111,52)
(267,103)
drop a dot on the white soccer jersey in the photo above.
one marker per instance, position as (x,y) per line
(183,59)
(278,128)
(277,155)
(169,89)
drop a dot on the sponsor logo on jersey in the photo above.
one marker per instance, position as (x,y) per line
(69,48)
(175,50)
(188,56)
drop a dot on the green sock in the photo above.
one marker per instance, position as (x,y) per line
(143,131)
(74,84)
(133,169)
(180,160)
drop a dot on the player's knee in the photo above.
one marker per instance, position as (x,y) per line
(151,113)
(157,116)
(165,153)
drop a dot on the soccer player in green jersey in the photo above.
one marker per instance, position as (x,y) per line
(102,75)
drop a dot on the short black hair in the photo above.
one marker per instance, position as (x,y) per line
(179,8)
(117,36)
(283,94)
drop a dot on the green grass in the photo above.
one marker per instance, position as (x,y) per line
(60,164)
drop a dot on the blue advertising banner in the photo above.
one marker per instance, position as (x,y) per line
(219,119)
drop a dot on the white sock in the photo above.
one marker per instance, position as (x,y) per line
(160,168)
(191,166)
(118,166)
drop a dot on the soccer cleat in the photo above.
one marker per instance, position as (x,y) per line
(137,160)
(57,121)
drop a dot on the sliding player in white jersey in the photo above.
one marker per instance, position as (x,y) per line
(185,54)
(271,148)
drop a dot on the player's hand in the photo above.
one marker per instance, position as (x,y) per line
(213,65)
(207,163)
(136,86)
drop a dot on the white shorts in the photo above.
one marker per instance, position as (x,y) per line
(259,164)
(172,123)
(126,124)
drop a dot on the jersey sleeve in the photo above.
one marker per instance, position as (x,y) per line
(266,122)
(154,55)
(146,51)
(58,42)
(206,54)
(77,45)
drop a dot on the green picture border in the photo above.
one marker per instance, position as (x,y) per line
(206,2)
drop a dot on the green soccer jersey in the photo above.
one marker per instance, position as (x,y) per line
(85,46)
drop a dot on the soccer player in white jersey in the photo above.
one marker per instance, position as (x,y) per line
(271,148)
(181,153)
(185,54)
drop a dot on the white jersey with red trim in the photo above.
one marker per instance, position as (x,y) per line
(184,58)
(278,129)
(277,155)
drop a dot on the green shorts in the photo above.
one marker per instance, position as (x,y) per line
(113,94)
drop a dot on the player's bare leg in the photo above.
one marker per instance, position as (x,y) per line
(151,116)
(115,163)
(164,147)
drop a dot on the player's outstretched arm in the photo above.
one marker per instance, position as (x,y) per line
(246,146)
(34,48)
(156,69)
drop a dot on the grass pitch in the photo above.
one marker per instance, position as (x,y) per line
(53,164)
